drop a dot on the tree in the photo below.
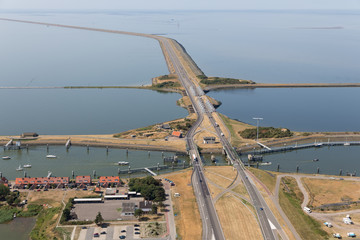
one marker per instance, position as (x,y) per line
(138,213)
(99,219)
(154,209)
(4,191)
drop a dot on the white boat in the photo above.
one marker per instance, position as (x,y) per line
(6,157)
(123,163)
(27,166)
(347,144)
(265,163)
(50,156)
(19,168)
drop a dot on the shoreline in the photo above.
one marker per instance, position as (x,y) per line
(169,146)
(281,85)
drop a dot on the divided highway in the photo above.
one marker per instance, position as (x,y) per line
(211,225)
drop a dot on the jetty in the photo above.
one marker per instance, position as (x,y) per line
(302,146)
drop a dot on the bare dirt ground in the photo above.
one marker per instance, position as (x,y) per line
(325,191)
(187,219)
(237,221)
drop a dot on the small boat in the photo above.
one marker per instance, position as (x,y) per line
(50,156)
(123,163)
(27,166)
(213,158)
(265,163)
(347,144)
(6,158)
(19,168)
(315,160)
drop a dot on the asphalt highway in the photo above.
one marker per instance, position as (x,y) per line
(211,226)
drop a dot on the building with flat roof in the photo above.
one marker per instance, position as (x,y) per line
(128,209)
(209,140)
(145,206)
(29,134)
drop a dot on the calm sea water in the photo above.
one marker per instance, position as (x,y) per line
(84,111)
(53,56)
(331,160)
(299,109)
(264,46)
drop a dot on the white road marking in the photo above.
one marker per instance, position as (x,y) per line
(272,226)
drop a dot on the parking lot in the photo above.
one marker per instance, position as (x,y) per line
(109,233)
(110,209)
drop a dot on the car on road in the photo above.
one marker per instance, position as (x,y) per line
(83,227)
(261,209)
(96,235)
(103,232)
(122,237)
(137,232)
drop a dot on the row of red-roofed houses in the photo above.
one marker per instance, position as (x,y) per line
(80,181)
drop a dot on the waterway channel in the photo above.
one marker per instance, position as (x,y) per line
(18,229)
(330,160)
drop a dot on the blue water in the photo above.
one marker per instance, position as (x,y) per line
(84,111)
(37,55)
(331,160)
(264,46)
(299,109)
(79,160)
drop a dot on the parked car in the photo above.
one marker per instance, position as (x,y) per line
(123,230)
(122,237)
(96,235)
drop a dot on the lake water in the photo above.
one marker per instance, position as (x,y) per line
(264,46)
(53,56)
(299,109)
(18,229)
(331,160)
(84,111)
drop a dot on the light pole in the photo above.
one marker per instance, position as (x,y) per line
(257,127)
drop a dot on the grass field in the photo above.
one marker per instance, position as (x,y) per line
(240,189)
(307,227)
(266,178)
(325,191)
(234,127)
(187,219)
(237,221)
(221,175)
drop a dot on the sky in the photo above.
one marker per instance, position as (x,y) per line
(177,4)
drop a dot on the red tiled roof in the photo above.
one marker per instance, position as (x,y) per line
(109,179)
(41,180)
(83,179)
(176,133)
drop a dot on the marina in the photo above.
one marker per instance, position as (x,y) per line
(86,161)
